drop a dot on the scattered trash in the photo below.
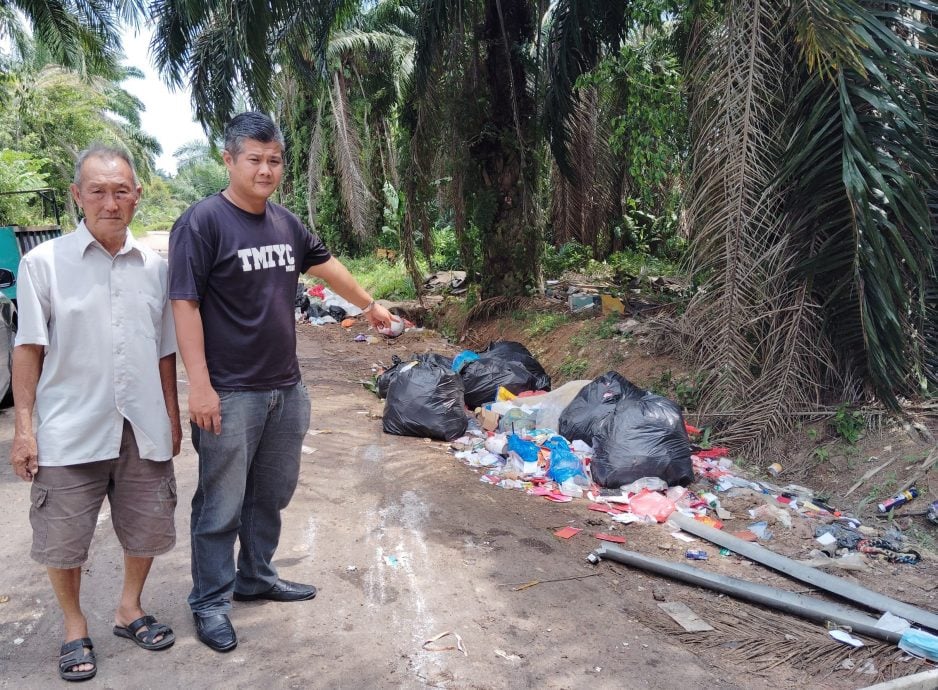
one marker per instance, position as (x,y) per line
(505,655)
(394,330)
(774,469)
(761,530)
(883,550)
(893,623)
(695,554)
(614,538)
(351,568)
(458,646)
(683,616)
(846,638)
(919,643)
(932,514)
(308,451)
(683,537)
(826,539)
(898,500)
(4,598)
(835,585)
(567,532)
(391,561)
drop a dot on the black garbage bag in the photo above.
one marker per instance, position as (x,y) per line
(301,301)
(315,311)
(597,399)
(384,379)
(336,312)
(642,438)
(483,377)
(425,400)
(510,351)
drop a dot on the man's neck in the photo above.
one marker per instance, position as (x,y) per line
(257,207)
(112,242)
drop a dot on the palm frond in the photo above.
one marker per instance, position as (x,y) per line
(579,31)
(355,194)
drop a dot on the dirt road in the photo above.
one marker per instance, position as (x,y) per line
(404,543)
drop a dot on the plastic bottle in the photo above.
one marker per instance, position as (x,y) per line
(898,500)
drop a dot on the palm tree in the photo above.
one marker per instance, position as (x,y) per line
(811,232)
(53,112)
(80,35)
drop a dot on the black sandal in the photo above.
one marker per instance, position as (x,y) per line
(144,638)
(75,653)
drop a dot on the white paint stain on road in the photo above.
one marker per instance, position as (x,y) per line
(402,561)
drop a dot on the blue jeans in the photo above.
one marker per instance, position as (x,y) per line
(247,475)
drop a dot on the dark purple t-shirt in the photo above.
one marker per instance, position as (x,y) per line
(243,270)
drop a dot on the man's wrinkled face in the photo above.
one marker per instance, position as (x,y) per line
(256,171)
(107,195)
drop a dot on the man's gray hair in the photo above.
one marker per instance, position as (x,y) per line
(256,126)
(104,152)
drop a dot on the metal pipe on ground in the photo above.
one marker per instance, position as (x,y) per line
(854,593)
(797,604)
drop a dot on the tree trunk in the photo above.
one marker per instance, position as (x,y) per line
(503,153)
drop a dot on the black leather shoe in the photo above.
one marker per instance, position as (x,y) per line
(216,631)
(283,590)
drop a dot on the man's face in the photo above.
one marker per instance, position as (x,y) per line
(255,173)
(107,195)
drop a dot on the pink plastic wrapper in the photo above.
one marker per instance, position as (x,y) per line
(652,504)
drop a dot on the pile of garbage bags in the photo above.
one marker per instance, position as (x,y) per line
(629,432)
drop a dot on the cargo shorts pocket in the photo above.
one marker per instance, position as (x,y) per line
(167,493)
(38,495)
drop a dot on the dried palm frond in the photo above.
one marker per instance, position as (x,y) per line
(493,307)
(582,206)
(750,327)
(355,194)
(314,163)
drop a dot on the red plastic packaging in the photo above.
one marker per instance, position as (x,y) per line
(651,503)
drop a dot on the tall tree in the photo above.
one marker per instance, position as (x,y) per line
(811,233)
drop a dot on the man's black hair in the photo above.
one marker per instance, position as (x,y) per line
(256,126)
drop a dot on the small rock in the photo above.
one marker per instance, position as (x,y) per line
(657,594)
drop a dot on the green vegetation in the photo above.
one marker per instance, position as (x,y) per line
(766,152)
(573,368)
(541,323)
(848,424)
(382,279)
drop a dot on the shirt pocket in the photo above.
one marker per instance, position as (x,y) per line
(146,315)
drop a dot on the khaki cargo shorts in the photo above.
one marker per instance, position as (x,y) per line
(66,502)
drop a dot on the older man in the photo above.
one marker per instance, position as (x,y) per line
(234,262)
(95,364)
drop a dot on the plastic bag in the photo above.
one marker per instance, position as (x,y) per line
(385,378)
(651,504)
(581,418)
(425,400)
(564,464)
(463,358)
(483,377)
(642,438)
(510,351)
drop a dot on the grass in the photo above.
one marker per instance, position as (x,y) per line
(383,280)
(573,367)
(543,322)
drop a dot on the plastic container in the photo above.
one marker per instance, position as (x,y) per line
(396,328)
(898,500)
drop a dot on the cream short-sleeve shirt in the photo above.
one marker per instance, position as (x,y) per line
(104,322)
